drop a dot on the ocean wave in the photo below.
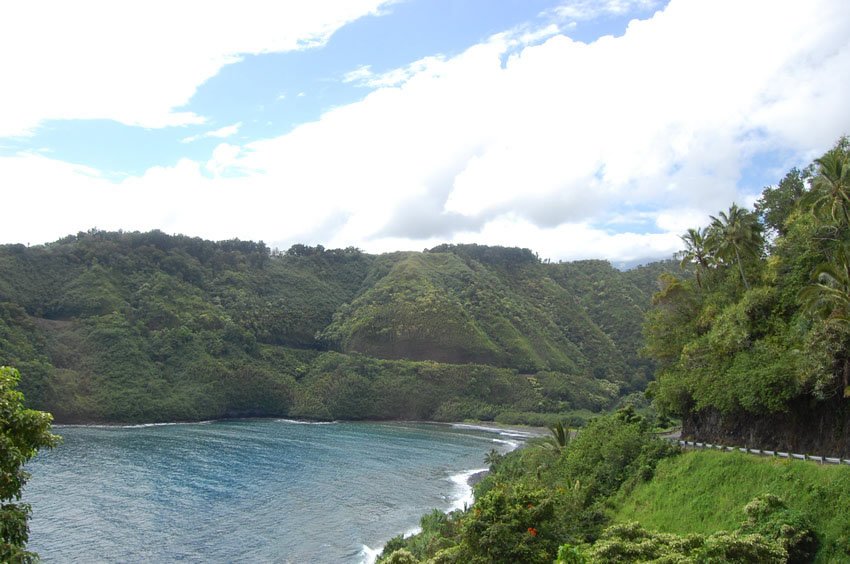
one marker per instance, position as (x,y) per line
(305,422)
(463,493)
(145,425)
(369,555)
(503,432)
(516,434)
(134,426)
(460,498)
(511,444)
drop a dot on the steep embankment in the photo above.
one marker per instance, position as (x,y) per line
(704,492)
(818,428)
(146,326)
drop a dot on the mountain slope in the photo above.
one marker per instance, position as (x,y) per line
(146,326)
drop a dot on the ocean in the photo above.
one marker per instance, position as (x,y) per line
(247,490)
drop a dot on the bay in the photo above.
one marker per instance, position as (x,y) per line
(250,490)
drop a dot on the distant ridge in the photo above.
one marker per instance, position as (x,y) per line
(133,327)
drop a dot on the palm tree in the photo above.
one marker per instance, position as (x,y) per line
(696,251)
(560,435)
(734,236)
(830,194)
(493,458)
(828,299)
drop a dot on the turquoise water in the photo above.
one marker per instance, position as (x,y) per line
(245,491)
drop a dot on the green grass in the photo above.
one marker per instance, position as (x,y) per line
(704,492)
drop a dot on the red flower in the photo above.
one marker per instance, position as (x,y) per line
(532,531)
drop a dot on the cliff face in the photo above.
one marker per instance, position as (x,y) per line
(807,427)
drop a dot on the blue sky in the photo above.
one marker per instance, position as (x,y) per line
(576,128)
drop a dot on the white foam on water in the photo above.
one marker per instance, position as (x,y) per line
(503,432)
(135,426)
(516,434)
(369,555)
(463,494)
(146,425)
(461,497)
(511,444)
(303,422)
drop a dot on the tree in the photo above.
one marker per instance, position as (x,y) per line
(777,203)
(736,235)
(696,252)
(828,300)
(22,433)
(830,194)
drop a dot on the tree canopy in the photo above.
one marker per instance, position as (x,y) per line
(22,433)
(766,323)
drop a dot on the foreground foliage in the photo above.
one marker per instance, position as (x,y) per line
(616,493)
(22,433)
(539,498)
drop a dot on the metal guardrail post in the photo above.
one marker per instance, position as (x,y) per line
(773,453)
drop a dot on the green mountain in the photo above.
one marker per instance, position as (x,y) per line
(146,326)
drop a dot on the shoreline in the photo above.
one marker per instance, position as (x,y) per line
(467,479)
(457,484)
(511,431)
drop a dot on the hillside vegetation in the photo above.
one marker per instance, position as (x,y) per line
(617,493)
(755,348)
(704,492)
(129,327)
(752,341)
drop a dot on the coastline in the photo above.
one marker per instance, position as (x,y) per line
(513,431)
(460,495)
(466,480)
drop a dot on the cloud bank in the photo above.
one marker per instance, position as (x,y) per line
(609,149)
(138,63)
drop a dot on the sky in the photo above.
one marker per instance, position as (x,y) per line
(576,128)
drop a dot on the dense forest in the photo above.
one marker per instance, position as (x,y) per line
(753,349)
(134,327)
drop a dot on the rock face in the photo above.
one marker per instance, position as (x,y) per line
(808,427)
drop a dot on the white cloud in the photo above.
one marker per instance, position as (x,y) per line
(546,146)
(138,62)
(223,157)
(220,133)
(590,9)
(363,75)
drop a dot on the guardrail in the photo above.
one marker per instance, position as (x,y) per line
(760,452)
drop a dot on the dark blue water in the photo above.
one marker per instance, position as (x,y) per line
(237,491)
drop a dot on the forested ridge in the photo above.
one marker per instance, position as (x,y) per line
(132,327)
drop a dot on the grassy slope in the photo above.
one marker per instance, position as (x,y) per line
(704,492)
